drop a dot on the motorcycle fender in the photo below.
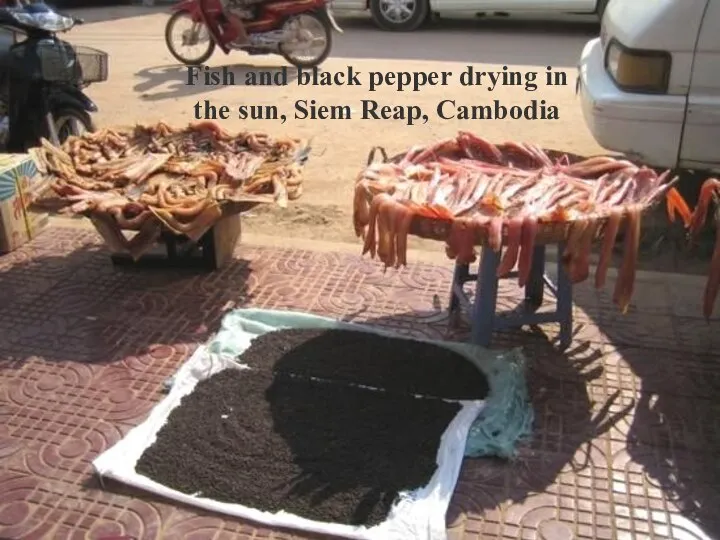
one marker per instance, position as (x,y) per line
(68,96)
(331,18)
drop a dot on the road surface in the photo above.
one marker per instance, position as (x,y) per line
(146,84)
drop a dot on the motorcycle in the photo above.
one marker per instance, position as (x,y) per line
(42,78)
(298,30)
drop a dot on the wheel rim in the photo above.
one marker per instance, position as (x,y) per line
(307,38)
(398,11)
(65,126)
(190,37)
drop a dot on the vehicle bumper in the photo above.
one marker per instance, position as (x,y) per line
(648,127)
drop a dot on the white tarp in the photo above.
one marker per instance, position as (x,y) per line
(416,515)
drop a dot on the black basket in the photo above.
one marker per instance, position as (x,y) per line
(93,64)
(54,60)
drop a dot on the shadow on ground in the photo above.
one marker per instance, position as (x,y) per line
(171,81)
(78,307)
(671,438)
(569,420)
(108,12)
(630,418)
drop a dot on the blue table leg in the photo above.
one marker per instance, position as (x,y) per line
(483,316)
(483,310)
(564,301)
(535,287)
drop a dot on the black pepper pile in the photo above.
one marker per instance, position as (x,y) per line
(296,433)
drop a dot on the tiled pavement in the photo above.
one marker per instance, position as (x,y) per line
(626,439)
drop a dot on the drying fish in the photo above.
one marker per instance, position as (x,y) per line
(468,192)
(182,179)
(710,192)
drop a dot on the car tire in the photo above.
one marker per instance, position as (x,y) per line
(387,20)
(601,7)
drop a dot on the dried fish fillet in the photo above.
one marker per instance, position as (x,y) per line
(177,178)
(507,196)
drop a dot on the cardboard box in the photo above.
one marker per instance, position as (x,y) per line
(19,181)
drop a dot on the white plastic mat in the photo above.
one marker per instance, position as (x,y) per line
(419,514)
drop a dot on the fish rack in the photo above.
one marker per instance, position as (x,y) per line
(482,311)
(549,233)
(168,196)
(156,245)
(208,251)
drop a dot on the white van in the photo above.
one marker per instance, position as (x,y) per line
(650,84)
(408,15)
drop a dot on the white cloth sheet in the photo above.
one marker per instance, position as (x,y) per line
(419,514)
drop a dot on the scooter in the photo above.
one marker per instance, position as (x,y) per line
(298,30)
(42,77)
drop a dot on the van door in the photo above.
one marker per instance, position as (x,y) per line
(584,6)
(700,145)
(510,6)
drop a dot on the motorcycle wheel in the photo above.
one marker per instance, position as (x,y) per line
(69,121)
(308,23)
(207,52)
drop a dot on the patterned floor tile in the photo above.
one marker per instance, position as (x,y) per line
(626,433)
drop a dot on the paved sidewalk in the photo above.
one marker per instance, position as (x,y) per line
(626,438)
